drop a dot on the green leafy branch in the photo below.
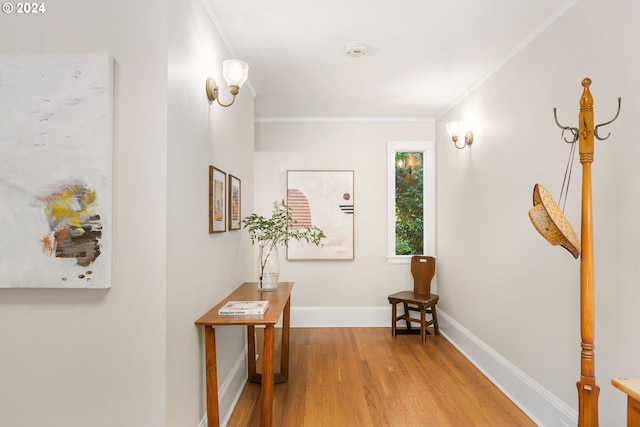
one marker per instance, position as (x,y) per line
(280,228)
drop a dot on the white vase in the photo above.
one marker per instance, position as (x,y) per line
(268,267)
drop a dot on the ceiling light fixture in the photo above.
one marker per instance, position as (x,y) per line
(454,129)
(235,72)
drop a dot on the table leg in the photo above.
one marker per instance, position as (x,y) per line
(633,412)
(251,354)
(213,416)
(284,356)
(266,398)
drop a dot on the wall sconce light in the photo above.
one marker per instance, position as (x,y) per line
(454,129)
(235,72)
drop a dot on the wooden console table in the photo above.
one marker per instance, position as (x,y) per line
(632,389)
(279,304)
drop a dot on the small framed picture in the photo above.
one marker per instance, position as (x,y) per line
(234,203)
(217,200)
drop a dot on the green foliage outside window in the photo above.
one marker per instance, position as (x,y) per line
(409,204)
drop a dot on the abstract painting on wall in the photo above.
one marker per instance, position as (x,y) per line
(56,141)
(324,199)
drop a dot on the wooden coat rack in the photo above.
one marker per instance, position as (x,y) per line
(588,390)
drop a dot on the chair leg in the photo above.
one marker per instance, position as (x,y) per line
(393,319)
(423,326)
(406,313)
(435,320)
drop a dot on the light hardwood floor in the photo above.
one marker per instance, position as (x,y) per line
(360,377)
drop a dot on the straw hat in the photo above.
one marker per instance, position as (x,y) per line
(551,223)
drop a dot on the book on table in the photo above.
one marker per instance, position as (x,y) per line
(243,308)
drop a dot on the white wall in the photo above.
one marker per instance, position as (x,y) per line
(77,357)
(497,276)
(356,145)
(202,268)
(131,355)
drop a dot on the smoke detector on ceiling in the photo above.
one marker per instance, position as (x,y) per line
(356,49)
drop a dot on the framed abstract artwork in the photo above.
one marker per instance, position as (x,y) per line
(217,200)
(234,203)
(324,199)
(56,144)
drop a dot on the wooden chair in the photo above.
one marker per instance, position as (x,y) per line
(423,268)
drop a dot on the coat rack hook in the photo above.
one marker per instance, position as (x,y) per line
(595,131)
(574,131)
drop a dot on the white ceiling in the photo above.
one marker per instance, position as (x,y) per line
(422,55)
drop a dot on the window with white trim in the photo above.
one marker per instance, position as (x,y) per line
(411,199)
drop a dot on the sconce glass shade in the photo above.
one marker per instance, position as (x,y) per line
(235,72)
(454,129)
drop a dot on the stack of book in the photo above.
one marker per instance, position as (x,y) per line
(235,308)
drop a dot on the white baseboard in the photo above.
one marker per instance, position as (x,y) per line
(340,317)
(230,390)
(544,408)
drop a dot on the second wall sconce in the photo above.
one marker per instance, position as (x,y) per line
(454,129)
(235,72)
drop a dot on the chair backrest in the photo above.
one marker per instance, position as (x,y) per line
(423,268)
